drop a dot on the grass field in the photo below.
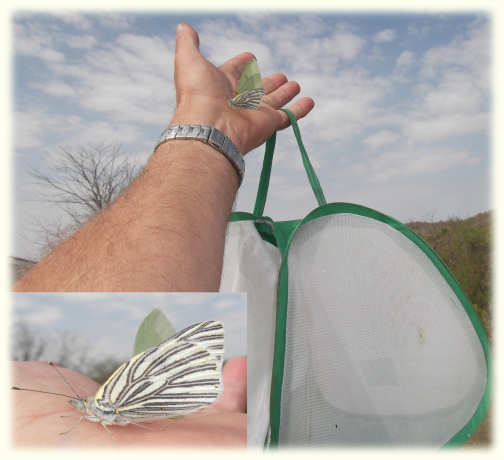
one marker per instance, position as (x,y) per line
(465,245)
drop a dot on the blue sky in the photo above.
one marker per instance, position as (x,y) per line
(107,323)
(401,122)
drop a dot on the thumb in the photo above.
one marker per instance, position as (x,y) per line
(234,398)
(187,42)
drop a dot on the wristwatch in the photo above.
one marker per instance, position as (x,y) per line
(211,136)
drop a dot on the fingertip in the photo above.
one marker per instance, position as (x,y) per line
(310,103)
(300,109)
(186,33)
(243,58)
(248,56)
(236,368)
(280,76)
(295,86)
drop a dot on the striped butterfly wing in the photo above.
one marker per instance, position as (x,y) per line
(209,334)
(177,377)
(248,99)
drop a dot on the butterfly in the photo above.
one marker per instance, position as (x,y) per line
(249,91)
(181,375)
(248,100)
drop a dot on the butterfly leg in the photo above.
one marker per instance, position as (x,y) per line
(73,426)
(104,425)
(142,426)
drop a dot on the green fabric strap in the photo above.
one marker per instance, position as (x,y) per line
(262,191)
(312,177)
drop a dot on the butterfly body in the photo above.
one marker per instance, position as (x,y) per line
(94,413)
(180,375)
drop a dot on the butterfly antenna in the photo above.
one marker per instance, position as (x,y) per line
(45,392)
(64,379)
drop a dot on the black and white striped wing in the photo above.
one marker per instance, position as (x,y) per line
(248,99)
(209,334)
(179,376)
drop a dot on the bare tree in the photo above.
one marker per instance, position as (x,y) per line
(65,348)
(99,371)
(82,182)
(72,351)
(24,345)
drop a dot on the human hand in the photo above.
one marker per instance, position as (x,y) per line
(37,421)
(203,91)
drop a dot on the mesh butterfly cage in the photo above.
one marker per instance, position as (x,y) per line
(358,334)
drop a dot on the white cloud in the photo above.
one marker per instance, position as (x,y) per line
(432,129)
(115,21)
(23,301)
(132,306)
(80,41)
(404,62)
(277,49)
(78,20)
(102,131)
(380,139)
(32,128)
(222,39)
(226,303)
(419,31)
(456,93)
(44,316)
(450,96)
(132,79)
(384,36)
(55,88)
(345,45)
(345,104)
(272,27)
(412,162)
(470,52)
(28,130)
(30,41)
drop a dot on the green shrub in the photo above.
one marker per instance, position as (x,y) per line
(465,246)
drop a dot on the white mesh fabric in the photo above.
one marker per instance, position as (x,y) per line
(379,350)
(251,265)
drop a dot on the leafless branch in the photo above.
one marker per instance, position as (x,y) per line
(82,182)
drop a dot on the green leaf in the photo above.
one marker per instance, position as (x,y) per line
(155,328)
(250,77)
(249,91)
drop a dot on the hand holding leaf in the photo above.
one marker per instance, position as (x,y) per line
(210,95)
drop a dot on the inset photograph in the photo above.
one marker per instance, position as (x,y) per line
(138,369)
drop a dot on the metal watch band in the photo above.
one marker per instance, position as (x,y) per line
(211,136)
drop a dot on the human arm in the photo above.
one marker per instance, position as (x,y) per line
(166,232)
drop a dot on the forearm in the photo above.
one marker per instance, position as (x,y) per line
(165,233)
